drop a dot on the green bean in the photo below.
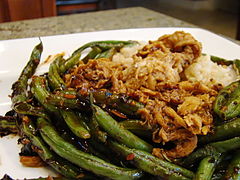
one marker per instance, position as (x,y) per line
(122,103)
(221,61)
(207,167)
(40,92)
(70,62)
(93,151)
(84,160)
(117,131)
(105,45)
(19,94)
(137,127)
(97,133)
(233,170)
(65,103)
(103,151)
(92,54)
(224,131)
(151,164)
(227,103)
(53,74)
(75,124)
(107,54)
(227,145)
(28,109)
(7,125)
(60,165)
(212,149)
(223,164)
(95,130)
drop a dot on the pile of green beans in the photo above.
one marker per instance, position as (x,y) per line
(80,139)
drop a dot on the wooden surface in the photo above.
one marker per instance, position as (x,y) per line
(4,16)
(75,8)
(14,10)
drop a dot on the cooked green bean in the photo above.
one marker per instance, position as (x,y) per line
(60,165)
(233,170)
(207,167)
(40,92)
(8,125)
(107,54)
(19,94)
(222,132)
(53,74)
(137,127)
(105,45)
(66,103)
(227,103)
(116,131)
(227,145)
(103,150)
(212,149)
(92,54)
(84,160)
(69,63)
(221,61)
(28,109)
(151,164)
(122,103)
(75,124)
(95,130)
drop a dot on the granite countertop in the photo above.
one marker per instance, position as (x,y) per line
(136,17)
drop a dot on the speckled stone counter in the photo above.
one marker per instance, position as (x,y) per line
(136,17)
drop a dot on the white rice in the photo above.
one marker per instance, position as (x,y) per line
(210,73)
(125,56)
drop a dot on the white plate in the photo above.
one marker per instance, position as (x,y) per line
(15,53)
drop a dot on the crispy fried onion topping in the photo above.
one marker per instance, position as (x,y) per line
(177,109)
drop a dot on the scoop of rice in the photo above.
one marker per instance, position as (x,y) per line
(126,53)
(210,73)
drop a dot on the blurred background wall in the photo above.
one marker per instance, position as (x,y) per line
(219,16)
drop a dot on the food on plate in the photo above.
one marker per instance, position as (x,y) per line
(129,110)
